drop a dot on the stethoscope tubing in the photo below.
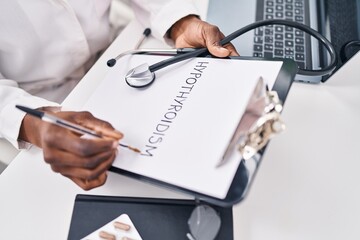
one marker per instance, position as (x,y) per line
(345,47)
(151,51)
(316,72)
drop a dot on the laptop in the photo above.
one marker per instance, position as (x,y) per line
(282,41)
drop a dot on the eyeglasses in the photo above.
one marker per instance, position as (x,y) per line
(204,223)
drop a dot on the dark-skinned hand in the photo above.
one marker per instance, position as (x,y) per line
(83,160)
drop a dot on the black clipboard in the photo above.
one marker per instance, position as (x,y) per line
(153,218)
(243,177)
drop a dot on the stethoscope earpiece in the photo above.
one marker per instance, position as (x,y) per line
(111,62)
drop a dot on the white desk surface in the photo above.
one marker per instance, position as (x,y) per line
(307,186)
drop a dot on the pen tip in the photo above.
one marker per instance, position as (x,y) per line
(130,148)
(135,149)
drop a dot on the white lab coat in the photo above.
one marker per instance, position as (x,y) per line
(46,43)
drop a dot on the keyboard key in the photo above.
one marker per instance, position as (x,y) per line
(299,19)
(268,31)
(269,3)
(279,36)
(289,7)
(299,56)
(269,39)
(268,47)
(279,8)
(299,4)
(289,29)
(279,15)
(279,52)
(268,54)
(279,44)
(299,11)
(289,43)
(257,54)
(289,35)
(258,40)
(289,51)
(300,64)
(269,10)
(279,28)
(299,33)
(259,31)
(258,48)
(289,14)
(299,48)
(299,40)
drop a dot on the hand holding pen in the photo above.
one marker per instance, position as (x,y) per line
(85,161)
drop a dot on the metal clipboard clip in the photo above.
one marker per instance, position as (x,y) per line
(260,122)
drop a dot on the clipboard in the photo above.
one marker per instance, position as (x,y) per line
(168,216)
(247,169)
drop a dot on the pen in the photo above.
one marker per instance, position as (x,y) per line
(66,124)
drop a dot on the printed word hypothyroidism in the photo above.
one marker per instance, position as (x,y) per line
(174,109)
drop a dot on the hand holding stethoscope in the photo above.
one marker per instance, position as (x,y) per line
(144,75)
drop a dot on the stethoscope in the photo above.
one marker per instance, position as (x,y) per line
(144,75)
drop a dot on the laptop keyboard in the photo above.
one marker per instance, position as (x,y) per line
(282,41)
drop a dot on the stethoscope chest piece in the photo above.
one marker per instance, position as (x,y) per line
(140,76)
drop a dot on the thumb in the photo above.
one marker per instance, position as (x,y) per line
(212,40)
(217,50)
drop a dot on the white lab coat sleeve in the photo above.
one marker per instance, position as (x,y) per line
(11,117)
(160,15)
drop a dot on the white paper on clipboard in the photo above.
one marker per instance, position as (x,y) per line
(184,120)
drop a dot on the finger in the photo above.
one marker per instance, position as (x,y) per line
(62,139)
(217,50)
(87,120)
(222,51)
(89,184)
(213,36)
(231,49)
(88,174)
(61,158)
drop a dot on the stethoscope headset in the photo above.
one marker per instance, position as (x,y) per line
(144,75)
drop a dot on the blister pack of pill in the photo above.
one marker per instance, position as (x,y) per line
(121,228)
